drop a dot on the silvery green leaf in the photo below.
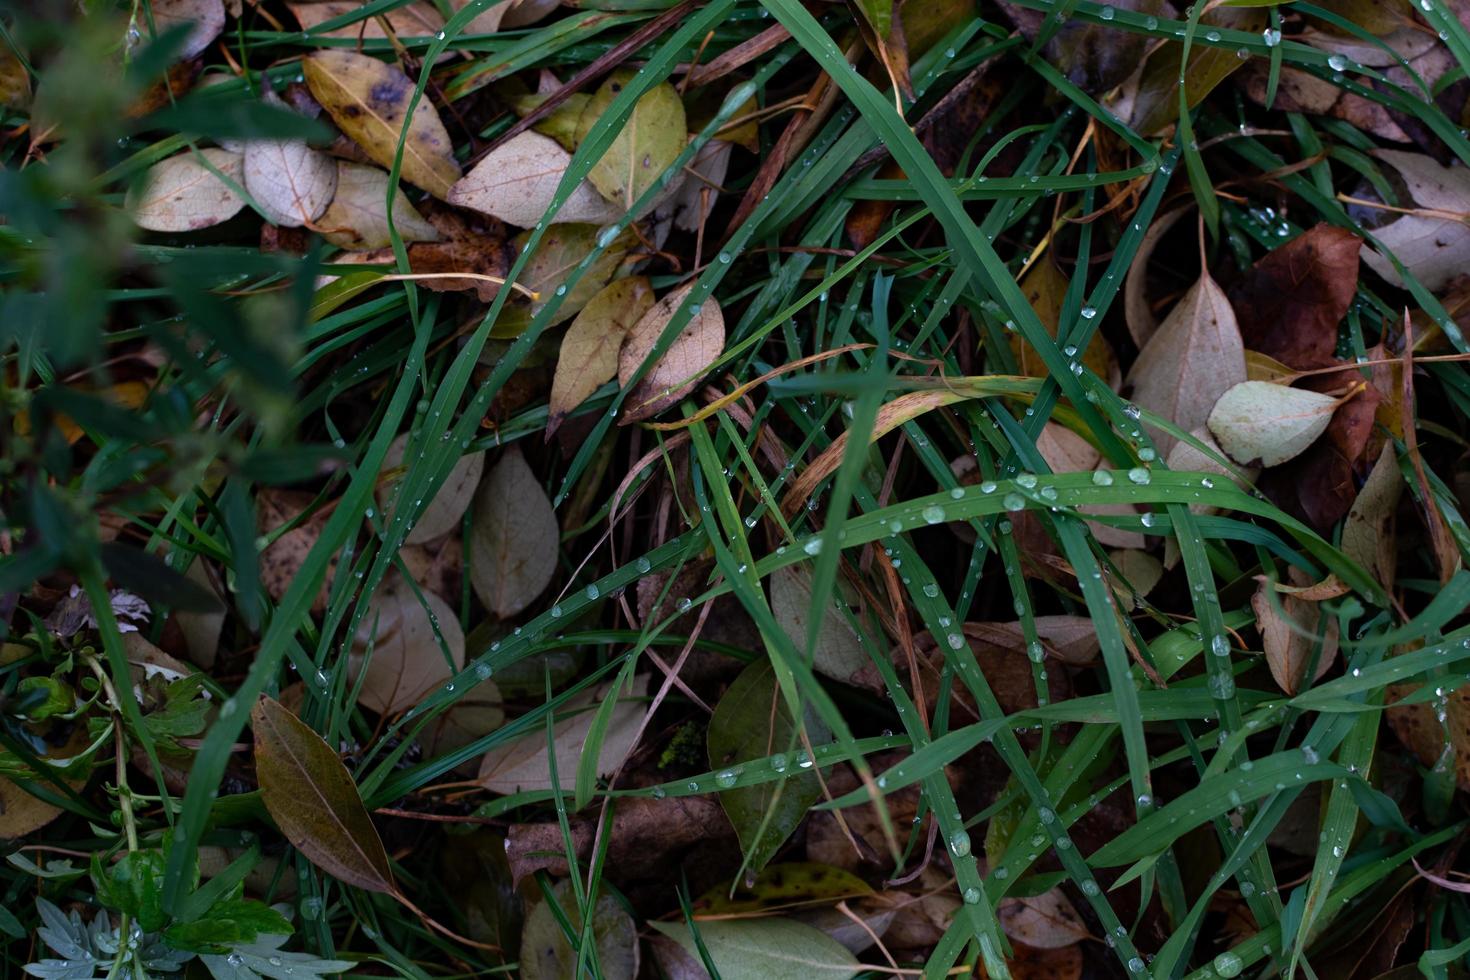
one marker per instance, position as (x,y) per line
(263,958)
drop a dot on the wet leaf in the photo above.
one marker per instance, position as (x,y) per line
(407,659)
(589,351)
(292,183)
(411,20)
(314,801)
(206,17)
(875,914)
(839,653)
(1193,358)
(182,194)
(561,123)
(1045,921)
(1156,104)
(523,764)
(695,196)
(650,140)
(1368,535)
(280,562)
(680,367)
(546,954)
(752,721)
(357,218)
(517,181)
(478,713)
(782,886)
(443,512)
(1140,572)
(1289,624)
(1185,458)
(1290,302)
(1045,288)
(1259,422)
(1423,733)
(1433,247)
(562,248)
(515,539)
(368,99)
(760,949)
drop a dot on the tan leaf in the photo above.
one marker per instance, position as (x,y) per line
(1185,458)
(1422,731)
(1369,534)
(369,99)
(676,373)
(523,764)
(1045,289)
(480,712)
(1067,452)
(1191,360)
(1045,921)
(1137,311)
(1433,247)
(522,13)
(201,629)
(357,218)
(561,250)
(1288,640)
(695,195)
(206,17)
(412,20)
(839,652)
(515,538)
(1140,572)
(589,351)
(15,81)
(517,181)
(1071,639)
(650,140)
(407,660)
(22,812)
(1260,422)
(292,183)
(280,562)
(442,514)
(182,194)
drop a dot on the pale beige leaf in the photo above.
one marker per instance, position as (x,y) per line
(1067,452)
(1369,534)
(1434,248)
(1137,311)
(562,249)
(589,351)
(547,955)
(413,20)
(182,194)
(651,139)
(1140,572)
(1191,360)
(523,764)
(205,17)
(523,13)
(292,183)
(443,513)
(517,181)
(1045,921)
(1260,422)
(1071,639)
(480,712)
(407,659)
(357,218)
(369,100)
(1289,626)
(201,629)
(515,539)
(694,196)
(676,373)
(839,652)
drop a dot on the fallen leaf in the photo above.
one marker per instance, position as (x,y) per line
(839,652)
(1030,963)
(784,885)
(1420,729)
(1433,247)
(1262,367)
(1140,572)
(1045,921)
(680,367)
(15,81)
(753,721)
(561,250)
(514,540)
(517,182)
(201,629)
(1071,639)
(1259,422)
(1289,625)
(1185,458)
(407,659)
(410,20)
(547,955)
(1094,57)
(280,562)
(205,17)
(695,194)
(443,512)
(292,183)
(589,350)
(182,194)
(522,13)
(1045,288)
(1290,303)
(369,99)
(1156,102)
(477,714)
(22,812)
(357,218)
(561,123)
(468,243)
(1067,452)
(760,949)
(1368,535)
(875,914)
(650,140)
(313,800)
(523,764)
(1193,358)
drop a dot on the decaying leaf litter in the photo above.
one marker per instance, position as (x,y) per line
(717,513)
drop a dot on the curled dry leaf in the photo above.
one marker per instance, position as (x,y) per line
(444,511)
(1290,624)
(589,351)
(523,764)
(182,194)
(404,636)
(650,140)
(1368,535)
(839,651)
(517,181)
(369,99)
(357,218)
(1191,360)
(292,183)
(205,17)
(680,367)
(1045,921)
(1260,422)
(314,801)
(547,955)
(515,537)
(1433,247)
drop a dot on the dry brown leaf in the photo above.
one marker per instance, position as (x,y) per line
(562,249)
(839,652)
(182,194)
(1136,308)
(357,218)
(443,512)
(280,562)
(1421,731)
(589,351)
(517,181)
(206,17)
(1071,639)
(1045,289)
(515,538)
(676,373)
(1045,921)
(1140,572)
(1369,535)
(694,196)
(480,712)
(1195,357)
(1185,458)
(292,183)
(15,81)
(411,20)
(1289,640)
(1067,452)
(407,660)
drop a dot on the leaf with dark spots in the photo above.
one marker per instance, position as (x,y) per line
(468,242)
(1290,303)
(312,798)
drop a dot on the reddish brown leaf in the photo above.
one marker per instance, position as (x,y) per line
(1290,303)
